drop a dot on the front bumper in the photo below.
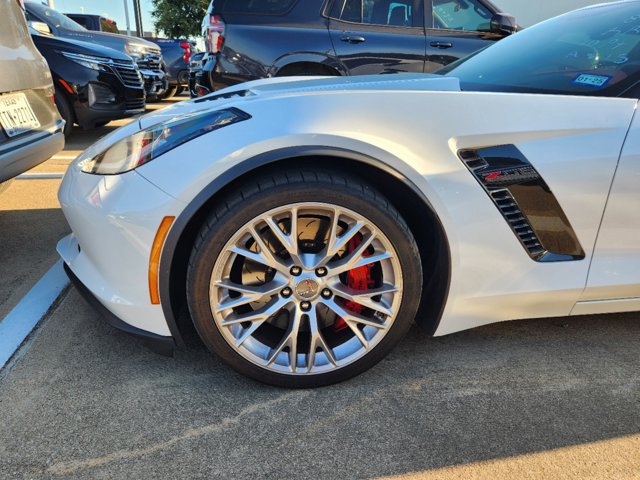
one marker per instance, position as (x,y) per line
(155,82)
(114,220)
(159,344)
(89,117)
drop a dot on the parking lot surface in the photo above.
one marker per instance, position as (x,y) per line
(553,398)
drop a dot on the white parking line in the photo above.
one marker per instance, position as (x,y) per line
(39,176)
(64,157)
(21,321)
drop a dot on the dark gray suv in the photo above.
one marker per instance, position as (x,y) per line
(251,39)
(30,125)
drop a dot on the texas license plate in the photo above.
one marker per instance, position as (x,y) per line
(16,115)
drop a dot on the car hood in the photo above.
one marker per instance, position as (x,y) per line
(111,40)
(249,91)
(76,46)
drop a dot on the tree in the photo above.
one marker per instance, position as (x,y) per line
(179,18)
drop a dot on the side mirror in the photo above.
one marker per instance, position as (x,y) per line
(504,24)
(40,27)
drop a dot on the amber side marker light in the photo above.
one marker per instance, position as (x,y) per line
(154,258)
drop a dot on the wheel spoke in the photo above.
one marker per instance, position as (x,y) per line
(364,298)
(248,294)
(256,319)
(353,320)
(257,316)
(335,243)
(290,241)
(317,341)
(356,259)
(289,340)
(261,259)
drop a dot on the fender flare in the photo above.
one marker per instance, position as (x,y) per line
(182,221)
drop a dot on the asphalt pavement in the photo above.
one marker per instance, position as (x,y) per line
(552,398)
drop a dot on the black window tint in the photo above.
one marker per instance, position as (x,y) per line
(79,20)
(54,18)
(595,51)
(467,15)
(263,7)
(396,13)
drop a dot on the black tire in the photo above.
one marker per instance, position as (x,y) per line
(66,111)
(171,91)
(100,124)
(277,190)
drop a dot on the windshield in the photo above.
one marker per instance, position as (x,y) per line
(53,17)
(595,51)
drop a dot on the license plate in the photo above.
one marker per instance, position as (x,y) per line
(16,115)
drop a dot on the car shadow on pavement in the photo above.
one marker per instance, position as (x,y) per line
(90,401)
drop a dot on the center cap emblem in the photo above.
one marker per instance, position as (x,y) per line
(307,289)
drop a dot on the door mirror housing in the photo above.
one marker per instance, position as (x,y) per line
(40,27)
(504,24)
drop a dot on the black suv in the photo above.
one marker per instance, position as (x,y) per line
(147,55)
(251,39)
(93,84)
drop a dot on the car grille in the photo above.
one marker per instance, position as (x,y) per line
(135,104)
(129,74)
(150,61)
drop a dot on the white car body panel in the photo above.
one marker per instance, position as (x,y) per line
(615,270)
(573,142)
(113,258)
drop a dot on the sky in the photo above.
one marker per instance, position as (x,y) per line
(113,9)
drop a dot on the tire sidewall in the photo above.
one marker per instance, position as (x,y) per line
(66,112)
(226,225)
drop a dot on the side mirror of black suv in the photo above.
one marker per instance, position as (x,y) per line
(503,24)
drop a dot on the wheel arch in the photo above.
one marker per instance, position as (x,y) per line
(406,197)
(290,61)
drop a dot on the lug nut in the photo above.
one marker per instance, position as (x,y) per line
(326,293)
(295,271)
(305,306)
(286,292)
(321,272)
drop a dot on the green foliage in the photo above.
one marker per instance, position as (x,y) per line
(179,18)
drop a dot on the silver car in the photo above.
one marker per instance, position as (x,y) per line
(30,125)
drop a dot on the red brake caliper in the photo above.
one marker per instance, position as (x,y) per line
(358,278)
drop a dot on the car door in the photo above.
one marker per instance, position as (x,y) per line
(456,29)
(614,276)
(379,36)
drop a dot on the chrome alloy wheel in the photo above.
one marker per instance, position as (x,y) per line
(306,288)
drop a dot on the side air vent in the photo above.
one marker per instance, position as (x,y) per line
(525,201)
(518,221)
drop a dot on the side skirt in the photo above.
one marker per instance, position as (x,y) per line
(616,305)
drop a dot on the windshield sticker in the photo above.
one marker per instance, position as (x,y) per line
(591,80)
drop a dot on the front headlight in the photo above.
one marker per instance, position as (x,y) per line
(136,50)
(89,61)
(145,145)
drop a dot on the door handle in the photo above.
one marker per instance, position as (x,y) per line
(353,39)
(442,45)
